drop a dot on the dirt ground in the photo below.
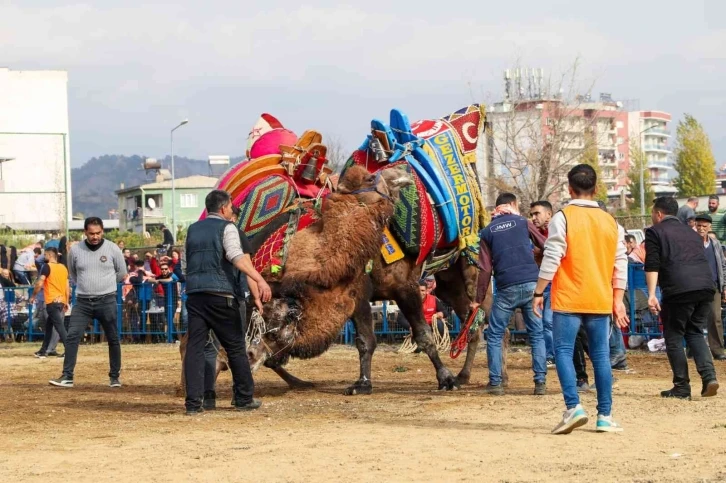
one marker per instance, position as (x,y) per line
(405,431)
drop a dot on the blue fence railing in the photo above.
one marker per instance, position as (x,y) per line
(153,312)
(148,312)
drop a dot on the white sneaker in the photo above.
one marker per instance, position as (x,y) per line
(605,424)
(571,419)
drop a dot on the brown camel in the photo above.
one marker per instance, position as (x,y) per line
(326,272)
(399,282)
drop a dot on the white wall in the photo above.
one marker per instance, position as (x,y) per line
(35,103)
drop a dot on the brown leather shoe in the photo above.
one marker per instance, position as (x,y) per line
(710,388)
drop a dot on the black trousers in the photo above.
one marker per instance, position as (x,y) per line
(54,319)
(220,314)
(211,350)
(687,320)
(578,355)
(103,309)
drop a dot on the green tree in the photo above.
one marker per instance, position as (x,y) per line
(638,162)
(591,158)
(695,163)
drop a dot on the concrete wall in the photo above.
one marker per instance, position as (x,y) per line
(33,128)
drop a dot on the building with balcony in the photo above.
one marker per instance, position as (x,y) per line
(149,205)
(651,130)
(529,121)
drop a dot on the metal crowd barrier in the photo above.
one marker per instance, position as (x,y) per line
(153,312)
(148,312)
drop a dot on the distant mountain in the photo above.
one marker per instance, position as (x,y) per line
(94,184)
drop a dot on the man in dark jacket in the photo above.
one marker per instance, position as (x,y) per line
(506,249)
(716,261)
(675,259)
(214,261)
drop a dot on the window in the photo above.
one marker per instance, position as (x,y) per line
(619,124)
(189,200)
(620,140)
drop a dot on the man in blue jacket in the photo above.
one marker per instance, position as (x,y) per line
(506,249)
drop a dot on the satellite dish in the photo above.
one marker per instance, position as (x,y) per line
(151,203)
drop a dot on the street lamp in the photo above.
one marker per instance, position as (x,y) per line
(173,192)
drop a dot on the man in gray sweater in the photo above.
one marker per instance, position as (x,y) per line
(97,266)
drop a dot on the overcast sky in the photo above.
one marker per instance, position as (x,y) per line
(137,69)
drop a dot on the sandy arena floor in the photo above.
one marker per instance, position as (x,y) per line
(406,431)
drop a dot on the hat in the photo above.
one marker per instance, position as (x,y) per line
(704,217)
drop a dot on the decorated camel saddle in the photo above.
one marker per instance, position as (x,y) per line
(438,218)
(281,169)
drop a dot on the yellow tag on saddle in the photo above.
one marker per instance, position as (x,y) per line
(390,249)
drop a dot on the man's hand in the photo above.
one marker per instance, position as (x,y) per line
(265,290)
(620,315)
(258,304)
(653,304)
(538,306)
(473,306)
(31,300)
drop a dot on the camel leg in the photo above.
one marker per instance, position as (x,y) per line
(365,341)
(291,380)
(409,302)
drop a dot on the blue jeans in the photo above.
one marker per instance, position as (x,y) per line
(565,327)
(547,324)
(506,300)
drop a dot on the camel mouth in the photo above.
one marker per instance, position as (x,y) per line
(256,357)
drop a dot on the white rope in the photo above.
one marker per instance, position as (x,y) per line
(256,328)
(442,340)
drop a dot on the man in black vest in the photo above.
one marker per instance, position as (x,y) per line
(675,259)
(716,261)
(214,262)
(506,249)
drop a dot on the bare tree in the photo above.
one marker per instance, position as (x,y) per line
(534,140)
(337,153)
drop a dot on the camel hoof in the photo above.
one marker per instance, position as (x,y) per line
(359,388)
(463,379)
(447,381)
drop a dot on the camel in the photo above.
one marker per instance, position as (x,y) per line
(326,272)
(399,282)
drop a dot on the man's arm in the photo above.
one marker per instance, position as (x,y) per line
(554,249)
(620,280)
(44,272)
(485,275)
(71,265)
(235,255)
(652,267)
(620,272)
(119,263)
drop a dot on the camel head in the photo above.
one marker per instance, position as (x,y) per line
(272,339)
(370,188)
